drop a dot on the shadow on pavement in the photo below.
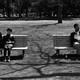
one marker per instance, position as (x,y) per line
(19,57)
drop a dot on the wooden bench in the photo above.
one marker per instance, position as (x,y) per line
(20,43)
(61,43)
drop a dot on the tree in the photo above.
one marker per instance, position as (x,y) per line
(22,5)
(2,5)
(71,8)
(59,11)
(42,7)
(19,6)
(39,7)
(46,8)
(8,7)
(25,5)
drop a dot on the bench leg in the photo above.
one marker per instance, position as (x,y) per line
(57,52)
(1,52)
(23,52)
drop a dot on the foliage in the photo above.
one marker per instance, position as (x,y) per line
(43,8)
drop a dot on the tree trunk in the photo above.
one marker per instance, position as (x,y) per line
(40,14)
(27,12)
(19,4)
(59,12)
(3,13)
(20,13)
(8,8)
(8,13)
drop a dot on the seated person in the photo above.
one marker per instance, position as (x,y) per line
(8,40)
(1,41)
(75,39)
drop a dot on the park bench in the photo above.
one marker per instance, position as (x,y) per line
(20,43)
(62,42)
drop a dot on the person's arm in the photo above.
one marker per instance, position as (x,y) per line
(71,39)
(4,39)
(12,40)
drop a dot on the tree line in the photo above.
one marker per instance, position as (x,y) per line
(42,8)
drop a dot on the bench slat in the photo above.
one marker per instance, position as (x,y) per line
(20,41)
(61,41)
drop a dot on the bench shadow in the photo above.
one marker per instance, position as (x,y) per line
(43,25)
(66,56)
(18,57)
(68,74)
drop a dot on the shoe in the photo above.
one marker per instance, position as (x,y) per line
(8,59)
(5,60)
(77,60)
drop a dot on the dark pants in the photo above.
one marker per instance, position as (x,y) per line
(7,51)
(77,47)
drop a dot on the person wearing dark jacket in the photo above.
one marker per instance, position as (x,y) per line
(1,41)
(8,41)
(75,39)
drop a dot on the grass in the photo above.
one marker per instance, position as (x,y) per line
(33,29)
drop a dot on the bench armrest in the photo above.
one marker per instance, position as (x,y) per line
(63,48)
(20,48)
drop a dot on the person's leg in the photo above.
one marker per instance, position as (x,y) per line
(77,47)
(9,52)
(5,50)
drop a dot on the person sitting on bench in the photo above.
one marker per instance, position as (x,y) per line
(75,38)
(1,41)
(8,40)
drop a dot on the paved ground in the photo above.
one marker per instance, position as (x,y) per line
(20,68)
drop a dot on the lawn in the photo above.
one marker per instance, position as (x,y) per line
(44,29)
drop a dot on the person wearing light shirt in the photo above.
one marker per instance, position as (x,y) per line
(75,38)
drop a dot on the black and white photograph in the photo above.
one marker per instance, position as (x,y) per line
(39,39)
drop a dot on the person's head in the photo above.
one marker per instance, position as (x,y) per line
(9,31)
(76,27)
